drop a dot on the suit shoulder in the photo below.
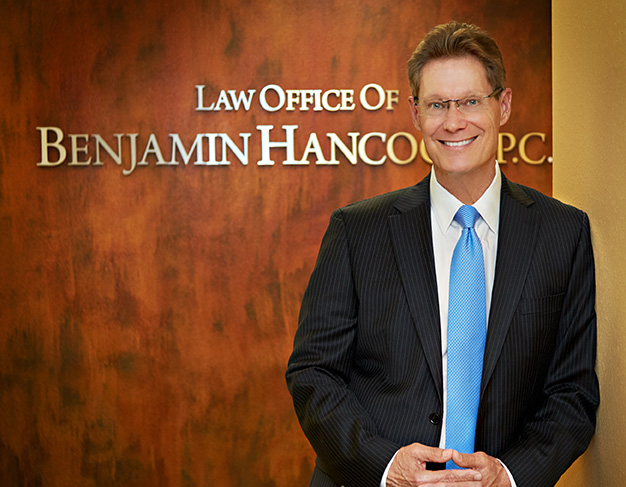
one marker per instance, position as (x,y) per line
(381,205)
(548,206)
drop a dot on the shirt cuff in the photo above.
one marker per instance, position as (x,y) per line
(383,482)
(513,484)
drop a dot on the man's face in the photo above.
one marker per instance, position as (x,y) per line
(461,145)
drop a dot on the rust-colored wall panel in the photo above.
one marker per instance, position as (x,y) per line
(146,319)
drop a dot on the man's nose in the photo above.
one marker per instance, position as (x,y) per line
(455,120)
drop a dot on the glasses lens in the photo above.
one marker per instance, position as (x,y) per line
(472,104)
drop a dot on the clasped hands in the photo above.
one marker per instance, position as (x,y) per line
(477,469)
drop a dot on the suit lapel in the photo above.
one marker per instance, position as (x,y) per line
(411,236)
(518,231)
(412,244)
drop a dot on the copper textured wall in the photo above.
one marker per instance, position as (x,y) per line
(148,308)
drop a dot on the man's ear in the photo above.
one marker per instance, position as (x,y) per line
(414,113)
(505,106)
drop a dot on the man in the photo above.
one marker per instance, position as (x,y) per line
(375,374)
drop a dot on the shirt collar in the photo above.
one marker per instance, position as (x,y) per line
(445,205)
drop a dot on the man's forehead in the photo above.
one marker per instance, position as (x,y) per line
(463,75)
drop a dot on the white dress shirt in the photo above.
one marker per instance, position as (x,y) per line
(445,233)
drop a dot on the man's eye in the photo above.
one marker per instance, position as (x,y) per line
(435,105)
(471,102)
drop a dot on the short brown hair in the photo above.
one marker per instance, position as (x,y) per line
(455,39)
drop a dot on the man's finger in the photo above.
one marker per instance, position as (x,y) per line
(466,460)
(447,477)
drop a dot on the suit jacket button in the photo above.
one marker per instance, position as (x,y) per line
(435,419)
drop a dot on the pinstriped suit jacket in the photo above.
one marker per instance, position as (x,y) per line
(365,373)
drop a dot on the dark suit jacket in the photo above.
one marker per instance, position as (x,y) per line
(366,373)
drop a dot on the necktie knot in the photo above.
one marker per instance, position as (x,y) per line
(467,216)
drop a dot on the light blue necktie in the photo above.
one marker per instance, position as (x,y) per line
(467,331)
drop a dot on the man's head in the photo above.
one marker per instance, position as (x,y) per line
(459,103)
(456,40)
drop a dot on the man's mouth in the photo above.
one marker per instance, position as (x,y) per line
(460,143)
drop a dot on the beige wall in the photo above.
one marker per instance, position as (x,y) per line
(589,56)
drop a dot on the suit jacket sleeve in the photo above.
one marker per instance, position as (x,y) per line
(344,436)
(564,422)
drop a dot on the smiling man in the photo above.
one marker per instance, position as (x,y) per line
(448,332)
(461,142)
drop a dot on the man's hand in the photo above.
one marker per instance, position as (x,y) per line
(409,469)
(492,471)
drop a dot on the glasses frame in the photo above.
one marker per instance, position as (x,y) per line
(458,106)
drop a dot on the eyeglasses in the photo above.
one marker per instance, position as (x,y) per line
(467,106)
